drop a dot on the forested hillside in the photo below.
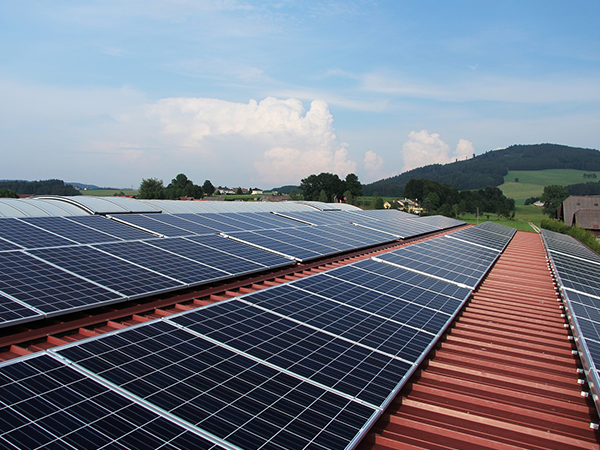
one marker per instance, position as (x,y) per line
(490,168)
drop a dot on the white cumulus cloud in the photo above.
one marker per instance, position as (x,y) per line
(278,139)
(423,148)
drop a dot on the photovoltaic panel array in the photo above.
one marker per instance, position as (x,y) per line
(483,235)
(47,404)
(309,364)
(577,270)
(454,260)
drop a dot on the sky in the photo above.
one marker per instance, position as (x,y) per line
(259,93)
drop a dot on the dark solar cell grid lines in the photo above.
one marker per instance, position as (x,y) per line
(111,227)
(12,312)
(166,263)
(312,236)
(397,282)
(229,395)
(6,246)
(427,262)
(248,252)
(402,310)
(323,358)
(106,270)
(266,240)
(46,287)
(399,337)
(181,222)
(70,230)
(578,274)
(28,236)
(482,237)
(147,222)
(222,261)
(46,404)
(496,228)
(589,320)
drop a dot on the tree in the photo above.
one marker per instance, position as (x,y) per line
(151,188)
(312,186)
(239,191)
(378,204)
(553,196)
(352,184)
(323,196)
(208,188)
(7,193)
(182,186)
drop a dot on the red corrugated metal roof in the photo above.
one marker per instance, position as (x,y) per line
(504,376)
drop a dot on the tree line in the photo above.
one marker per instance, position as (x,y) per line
(180,186)
(328,187)
(11,188)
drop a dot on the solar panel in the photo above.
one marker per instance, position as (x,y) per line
(20,233)
(109,271)
(71,230)
(183,221)
(359,371)
(267,239)
(148,223)
(111,227)
(401,228)
(209,221)
(231,247)
(169,264)
(46,287)
(481,237)
(401,310)
(578,274)
(46,404)
(497,228)
(440,222)
(218,259)
(231,396)
(13,312)
(8,246)
(269,220)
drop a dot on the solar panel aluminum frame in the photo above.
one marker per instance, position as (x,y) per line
(150,232)
(266,249)
(38,314)
(587,361)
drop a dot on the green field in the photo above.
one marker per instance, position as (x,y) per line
(531,182)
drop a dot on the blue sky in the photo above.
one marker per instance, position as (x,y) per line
(264,93)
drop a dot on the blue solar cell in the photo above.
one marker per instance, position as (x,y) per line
(12,312)
(174,266)
(229,395)
(46,404)
(28,236)
(322,357)
(226,262)
(256,255)
(266,240)
(182,221)
(48,288)
(8,246)
(111,227)
(578,274)
(152,224)
(71,230)
(481,236)
(121,276)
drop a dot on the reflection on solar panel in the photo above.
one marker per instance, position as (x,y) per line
(247,252)
(71,230)
(48,288)
(357,370)
(13,312)
(440,222)
(451,260)
(578,271)
(111,227)
(116,274)
(8,246)
(225,262)
(46,404)
(148,223)
(483,237)
(579,274)
(231,396)
(166,263)
(27,236)
(275,241)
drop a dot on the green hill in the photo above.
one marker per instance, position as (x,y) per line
(493,168)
